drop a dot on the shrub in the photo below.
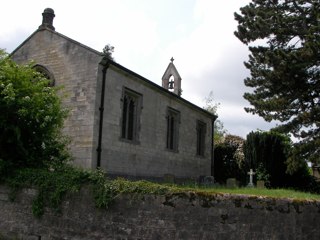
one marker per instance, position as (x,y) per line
(229,160)
(31,119)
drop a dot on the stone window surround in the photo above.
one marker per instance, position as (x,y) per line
(201,138)
(173,123)
(135,98)
(46,73)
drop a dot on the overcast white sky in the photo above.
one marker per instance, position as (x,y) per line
(198,34)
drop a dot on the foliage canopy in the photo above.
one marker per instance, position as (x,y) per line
(285,68)
(267,153)
(212,107)
(108,51)
(229,159)
(30,120)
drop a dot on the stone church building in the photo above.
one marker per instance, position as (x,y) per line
(119,120)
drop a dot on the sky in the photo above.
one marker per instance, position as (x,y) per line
(198,34)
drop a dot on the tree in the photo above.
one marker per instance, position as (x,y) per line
(229,159)
(108,51)
(285,69)
(212,107)
(267,152)
(30,120)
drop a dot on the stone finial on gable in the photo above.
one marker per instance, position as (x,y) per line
(171,79)
(47,19)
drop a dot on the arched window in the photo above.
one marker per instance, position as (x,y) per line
(46,73)
(131,108)
(201,138)
(171,83)
(173,122)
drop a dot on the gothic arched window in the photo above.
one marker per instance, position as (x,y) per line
(173,122)
(46,73)
(201,138)
(131,107)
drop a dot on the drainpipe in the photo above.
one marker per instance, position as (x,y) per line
(105,64)
(212,147)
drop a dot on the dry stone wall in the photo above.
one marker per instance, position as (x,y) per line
(176,216)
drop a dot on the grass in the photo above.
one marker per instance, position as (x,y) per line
(127,186)
(261,192)
(274,193)
(53,187)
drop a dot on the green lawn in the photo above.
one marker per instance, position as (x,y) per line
(156,188)
(273,193)
(53,185)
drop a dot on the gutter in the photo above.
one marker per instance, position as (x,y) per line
(105,63)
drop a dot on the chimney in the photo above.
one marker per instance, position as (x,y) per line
(47,19)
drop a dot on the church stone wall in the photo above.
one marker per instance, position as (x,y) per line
(150,158)
(185,216)
(75,68)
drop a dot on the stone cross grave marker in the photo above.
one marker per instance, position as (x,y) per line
(251,173)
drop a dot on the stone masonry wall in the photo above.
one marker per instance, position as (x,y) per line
(75,68)
(150,157)
(179,216)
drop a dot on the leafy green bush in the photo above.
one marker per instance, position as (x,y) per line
(53,185)
(30,120)
(263,175)
(229,160)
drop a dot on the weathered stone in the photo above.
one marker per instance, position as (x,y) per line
(260,184)
(145,217)
(82,71)
(168,178)
(232,183)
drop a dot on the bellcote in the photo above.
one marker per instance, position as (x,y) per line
(171,79)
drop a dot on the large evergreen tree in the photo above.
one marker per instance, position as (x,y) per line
(285,68)
(268,151)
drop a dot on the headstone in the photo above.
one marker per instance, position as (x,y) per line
(316,172)
(232,183)
(260,184)
(4,197)
(251,173)
(207,180)
(4,194)
(168,178)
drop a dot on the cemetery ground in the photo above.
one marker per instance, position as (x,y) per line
(260,192)
(53,186)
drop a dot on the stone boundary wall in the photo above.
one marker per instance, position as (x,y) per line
(175,216)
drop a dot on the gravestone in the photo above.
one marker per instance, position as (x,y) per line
(4,194)
(207,180)
(260,184)
(251,173)
(168,178)
(232,183)
(316,172)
